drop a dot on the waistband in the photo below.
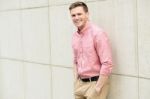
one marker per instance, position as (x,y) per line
(94,78)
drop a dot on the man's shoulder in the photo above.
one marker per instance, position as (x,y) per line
(97,30)
(74,35)
(74,32)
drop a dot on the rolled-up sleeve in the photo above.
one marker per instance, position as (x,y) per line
(74,57)
(104,52)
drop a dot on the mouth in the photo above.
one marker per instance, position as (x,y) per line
(77,22)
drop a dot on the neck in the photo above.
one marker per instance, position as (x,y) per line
(82,27)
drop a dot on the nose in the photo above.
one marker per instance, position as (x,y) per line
(76,17)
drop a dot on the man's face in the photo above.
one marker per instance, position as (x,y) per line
(79,17)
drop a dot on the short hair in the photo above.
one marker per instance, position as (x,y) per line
(78,4)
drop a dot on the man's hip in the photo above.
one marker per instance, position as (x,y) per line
(85,89)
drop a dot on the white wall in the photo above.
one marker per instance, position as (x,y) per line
(36,55)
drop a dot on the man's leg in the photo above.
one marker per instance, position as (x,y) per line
(104,92)
(80,89)
(79,97)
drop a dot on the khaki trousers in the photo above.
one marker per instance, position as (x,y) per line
(86,90)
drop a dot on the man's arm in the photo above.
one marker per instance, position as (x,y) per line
(104,53)
(101,82)
(75,65)
(75,72)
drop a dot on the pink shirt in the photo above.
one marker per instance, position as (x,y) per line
(92,53)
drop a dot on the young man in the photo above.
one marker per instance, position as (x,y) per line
(92,55)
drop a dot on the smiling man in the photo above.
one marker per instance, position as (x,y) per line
(92,55)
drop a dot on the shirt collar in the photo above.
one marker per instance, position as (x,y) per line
(81,32)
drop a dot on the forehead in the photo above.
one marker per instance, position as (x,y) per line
(78,9)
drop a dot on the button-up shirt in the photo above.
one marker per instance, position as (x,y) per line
(92,53)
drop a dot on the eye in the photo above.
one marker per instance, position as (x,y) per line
(73,15)
(79,14)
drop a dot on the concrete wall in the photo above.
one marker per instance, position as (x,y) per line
(36,55)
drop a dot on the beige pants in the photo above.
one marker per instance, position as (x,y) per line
(86,90)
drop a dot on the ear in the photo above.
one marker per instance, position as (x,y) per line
(87,14)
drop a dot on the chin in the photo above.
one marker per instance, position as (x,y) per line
(78,24)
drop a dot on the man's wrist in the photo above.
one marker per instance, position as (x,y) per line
(101,81)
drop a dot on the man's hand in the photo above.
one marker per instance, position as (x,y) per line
(100,83)
(98,89)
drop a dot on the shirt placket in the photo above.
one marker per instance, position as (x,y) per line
(82,61)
